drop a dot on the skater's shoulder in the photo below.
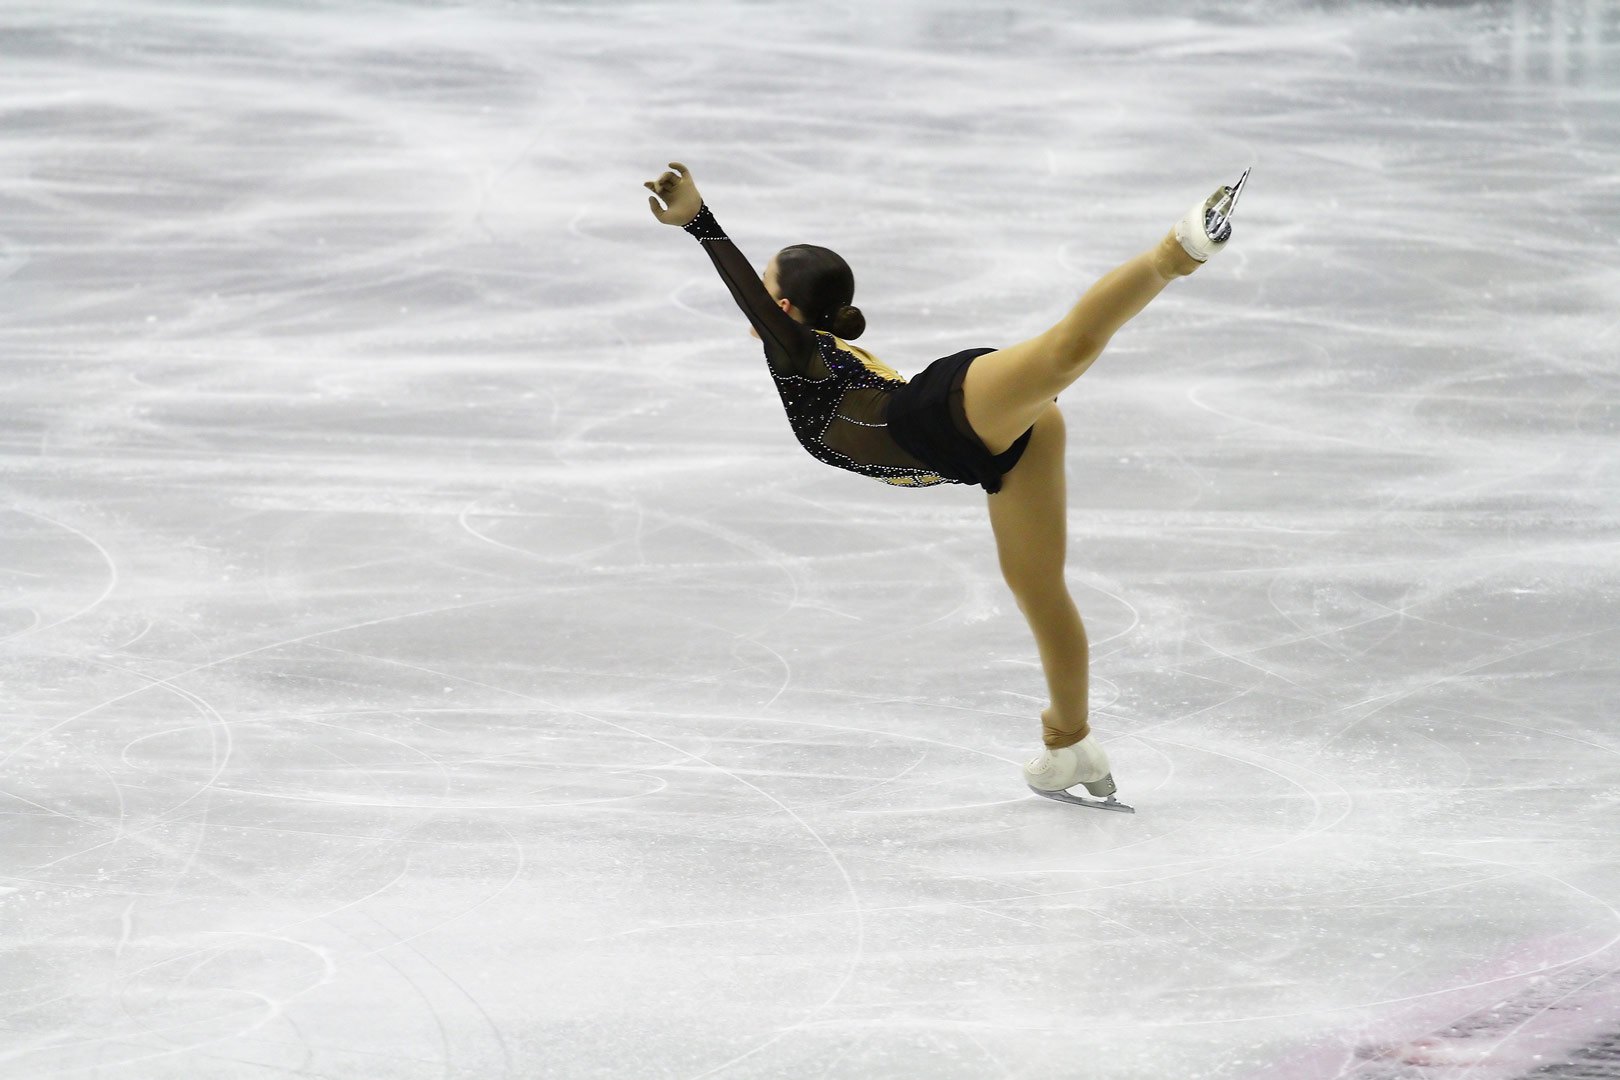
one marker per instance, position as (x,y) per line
(830,342)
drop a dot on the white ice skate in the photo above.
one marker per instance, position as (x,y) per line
(1085,765)
(1208,225)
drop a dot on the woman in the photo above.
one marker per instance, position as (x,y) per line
(981,416)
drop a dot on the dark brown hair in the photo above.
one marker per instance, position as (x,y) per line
(820,284)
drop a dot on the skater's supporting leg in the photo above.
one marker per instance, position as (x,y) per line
(1028,516)
(1006,390)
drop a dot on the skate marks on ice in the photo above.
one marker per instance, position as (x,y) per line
(47,571)
(1536,1013)
(440,660)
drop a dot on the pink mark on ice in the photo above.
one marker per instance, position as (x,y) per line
(1541,1007)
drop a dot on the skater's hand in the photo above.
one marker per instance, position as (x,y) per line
(676,189)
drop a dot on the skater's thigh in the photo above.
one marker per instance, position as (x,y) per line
(1005,391)
(1029,514)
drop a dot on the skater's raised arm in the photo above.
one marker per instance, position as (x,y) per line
(789,344)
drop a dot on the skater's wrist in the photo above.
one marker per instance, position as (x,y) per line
(703,226)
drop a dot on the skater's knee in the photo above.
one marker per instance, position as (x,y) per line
(1070,350)
(1024,580)
(1036,587)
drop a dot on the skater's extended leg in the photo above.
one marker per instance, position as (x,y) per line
(1028,516)
(1004,391)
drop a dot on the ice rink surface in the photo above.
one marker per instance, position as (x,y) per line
(427,654)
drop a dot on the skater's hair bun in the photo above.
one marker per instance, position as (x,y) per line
(849,323)
(820,284)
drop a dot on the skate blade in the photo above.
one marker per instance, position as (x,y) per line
(1109,803)
(1218,221)
(1237,190)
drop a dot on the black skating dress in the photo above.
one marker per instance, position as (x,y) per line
(849,409)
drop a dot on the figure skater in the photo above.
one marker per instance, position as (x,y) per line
(980,416)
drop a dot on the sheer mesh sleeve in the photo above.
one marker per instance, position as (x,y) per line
(790,346)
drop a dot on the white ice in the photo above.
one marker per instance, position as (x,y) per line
(427,653)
